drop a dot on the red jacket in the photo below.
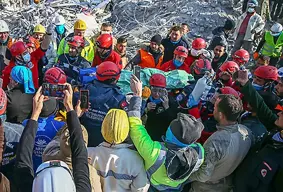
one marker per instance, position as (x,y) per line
(35,57)
(114,57)
(169,66)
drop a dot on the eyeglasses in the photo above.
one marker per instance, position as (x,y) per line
(161,91)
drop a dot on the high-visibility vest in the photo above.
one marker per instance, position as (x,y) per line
(270,48)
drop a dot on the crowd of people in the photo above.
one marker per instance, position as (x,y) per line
(222,132)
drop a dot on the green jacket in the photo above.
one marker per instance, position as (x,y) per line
(154,155)
(265,115)
(87,52)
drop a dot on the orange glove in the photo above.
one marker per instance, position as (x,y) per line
(146,92)
(255,55)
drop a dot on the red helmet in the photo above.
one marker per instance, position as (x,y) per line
(241,56)
(181,51)
(229,91)
(3,101)
(76,41)
(200,66)
(107,70)
(157,80)
(229,66)
(18,48)
(198,44)
(267,72)
(55,75)
(104,41)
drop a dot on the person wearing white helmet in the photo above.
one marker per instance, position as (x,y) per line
(60,28)
(5,41)
(52,176)
(272,44)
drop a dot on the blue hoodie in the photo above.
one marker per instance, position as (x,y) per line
(47,130)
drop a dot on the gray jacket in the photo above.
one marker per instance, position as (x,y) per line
(224,151)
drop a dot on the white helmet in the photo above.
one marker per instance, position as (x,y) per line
(59,20)
(276,29)
(3,26)
(53,176)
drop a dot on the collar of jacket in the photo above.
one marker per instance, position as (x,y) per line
(117,146)
(231,128)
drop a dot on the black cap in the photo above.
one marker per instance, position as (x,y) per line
(157,39)
(229,24)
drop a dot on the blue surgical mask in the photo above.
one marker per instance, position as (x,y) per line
(60,29)
(3,41)
(156,101)
(177,63)
(257,87)
(251,10)
(26,57)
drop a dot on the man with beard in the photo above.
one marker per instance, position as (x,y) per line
(121,49)
(220,55)
(150,56)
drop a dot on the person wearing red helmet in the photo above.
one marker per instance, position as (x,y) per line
(104,94)
(178,62)
(55,75)
(241,57)
(21,56)
(226,71)
(264,76)
(161,108)
(173,41)
(197,51)
(71,63)
(104,51)
(200,67)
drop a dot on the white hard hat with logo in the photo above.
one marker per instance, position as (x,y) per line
(59,20)
(3,26)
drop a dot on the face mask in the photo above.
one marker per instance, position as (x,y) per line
(276,34)
(196,53)
(26,57)
(3,41)
(251,10)
(156,101)
(257,87)
(60,29)
(177,63)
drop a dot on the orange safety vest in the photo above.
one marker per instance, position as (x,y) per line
(147,60)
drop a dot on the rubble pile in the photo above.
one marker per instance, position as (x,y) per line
(141,19)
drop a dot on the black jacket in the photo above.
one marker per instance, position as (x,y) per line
(218,36)
(216,63)
(169,48)
(24,173)
(19,105)
(158,120)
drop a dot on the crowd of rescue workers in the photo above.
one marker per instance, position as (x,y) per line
(222,132)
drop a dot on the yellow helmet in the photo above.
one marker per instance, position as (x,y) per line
(39,29)
(115,126)
(80,25)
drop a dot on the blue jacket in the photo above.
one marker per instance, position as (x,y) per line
(103,97)
(72,68)
(47,129)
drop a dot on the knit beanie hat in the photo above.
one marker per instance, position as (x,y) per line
(50,107)
(157,39)
(229,24)
(186,128)
(115,126)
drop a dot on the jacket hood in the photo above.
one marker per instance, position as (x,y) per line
(180,163)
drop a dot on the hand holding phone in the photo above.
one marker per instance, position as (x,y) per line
(53,90)
(137,71)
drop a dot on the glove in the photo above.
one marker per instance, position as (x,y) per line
(50,29)
(255,55)
(200,87)
(146,92)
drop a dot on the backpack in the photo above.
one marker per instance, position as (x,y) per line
(262,168)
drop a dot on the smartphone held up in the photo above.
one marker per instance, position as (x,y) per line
(52,90)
